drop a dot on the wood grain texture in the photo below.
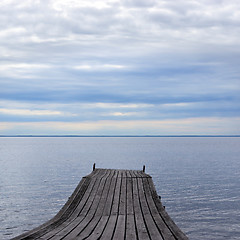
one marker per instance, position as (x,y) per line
(111,204)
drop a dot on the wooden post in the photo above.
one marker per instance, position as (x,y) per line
(143,168)
(94,165)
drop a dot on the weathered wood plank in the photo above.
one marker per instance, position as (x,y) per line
(130,228)
(129,206)
(72,223)
(166,218)
(111,224)
(62,214)
(110,196)
(116,197)
(103,208)
(122,203)
(95,209)
(72,216)
(142,232)
(110,228)
(98,231)
(151,227)
(130,221)
(84,204)
(119,233)
(161,225)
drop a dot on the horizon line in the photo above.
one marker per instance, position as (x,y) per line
(72,135)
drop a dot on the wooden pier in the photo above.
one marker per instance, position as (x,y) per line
(111,204)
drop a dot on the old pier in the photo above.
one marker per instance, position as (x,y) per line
(111,204)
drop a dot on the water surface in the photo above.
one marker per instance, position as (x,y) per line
(198,178)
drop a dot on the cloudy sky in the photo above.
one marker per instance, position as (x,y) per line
(119,67)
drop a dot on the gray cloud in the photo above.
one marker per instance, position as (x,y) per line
(141,52)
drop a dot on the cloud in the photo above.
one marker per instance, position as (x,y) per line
(103,67)
(11,67)
(117,105)
(28,112)
(193,126)
(123,114)
(105,60)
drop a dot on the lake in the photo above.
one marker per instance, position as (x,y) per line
(197,178)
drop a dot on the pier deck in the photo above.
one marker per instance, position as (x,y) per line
(111,204)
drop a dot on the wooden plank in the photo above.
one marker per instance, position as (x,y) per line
(176,231)
(87,214)
(93,194)
(62,214)
(130,221)
(161,225)
(111,224)
(122,203)
(98,231)
(110,196)
(104,205)
(140,225)
(66,229)
(130,228)
(76,197)
(128,174)
(110,228)
(104,194)
(120,228)
(83,204)
(134,174)
(116,198)
(151,227)
(129,197)
(143,174)
(94,213)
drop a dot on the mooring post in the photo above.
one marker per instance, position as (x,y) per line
(94,165)
(143,168)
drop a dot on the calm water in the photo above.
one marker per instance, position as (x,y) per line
(198,178)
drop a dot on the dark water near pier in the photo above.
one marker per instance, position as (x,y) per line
(198,178)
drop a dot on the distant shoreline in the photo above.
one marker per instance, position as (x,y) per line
(119,136)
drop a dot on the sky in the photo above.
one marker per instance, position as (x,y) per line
(120,67)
